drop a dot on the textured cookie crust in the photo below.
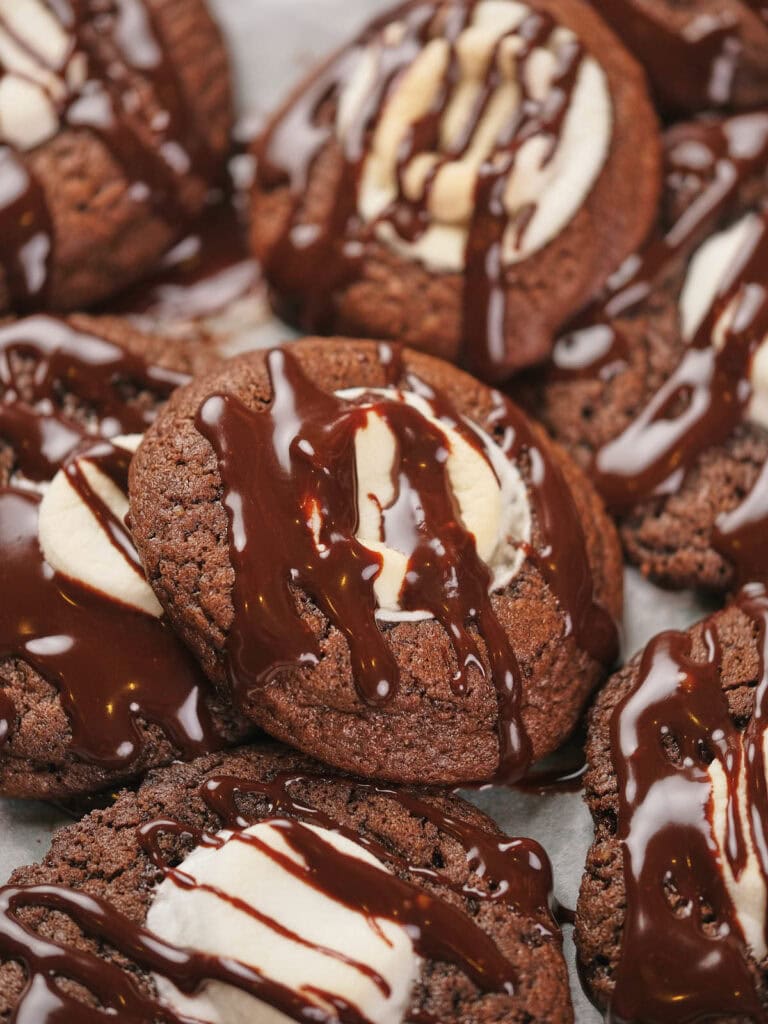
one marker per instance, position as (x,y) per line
(400,299)
(427,733)
(37,761)
(602,900)
(104,237)
(101,856)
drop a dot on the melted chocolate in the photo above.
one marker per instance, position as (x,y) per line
(683,954)
(304,444)
(124,52)
(100,374)
(312,260)
(110,664)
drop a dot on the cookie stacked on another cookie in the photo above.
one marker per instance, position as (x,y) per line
(378,559)
(461,178)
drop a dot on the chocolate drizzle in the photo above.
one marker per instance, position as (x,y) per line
(311,260)
(68,361)
(125,53)
(515,871)
(301,533)
(110,664)
(683,954)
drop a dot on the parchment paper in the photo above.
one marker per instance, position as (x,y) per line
(273,42)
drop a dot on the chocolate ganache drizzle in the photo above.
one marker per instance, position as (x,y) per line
(124,53)
(303,443)
(67,361)
(314,259)
(684,955)
(515,871)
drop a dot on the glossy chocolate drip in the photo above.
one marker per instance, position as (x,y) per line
(110,664)
(683,954)
(100,374)
(705,398)
(311,261)
(514,871)
(122,47)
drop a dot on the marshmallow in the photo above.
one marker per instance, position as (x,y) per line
(202,920)
(556,184)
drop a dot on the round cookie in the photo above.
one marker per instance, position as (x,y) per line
(485,947)
(658,390)
(114,124)
(94,687)
(670,924)
(435,583)
(709,55)
(462,178)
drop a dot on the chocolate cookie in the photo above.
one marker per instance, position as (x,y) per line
(94,686)
(379,558)
(671,917)
(115,121)
(461,178)
(707,55)
(659,389)
(321,897)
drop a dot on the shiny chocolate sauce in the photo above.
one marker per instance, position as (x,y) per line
(110,664)
(124,52)
(683,952)
(311,260)
(301,532)
(66,361)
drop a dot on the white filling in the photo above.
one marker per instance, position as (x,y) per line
(30,89)
(204,922)
(557,187)
(707,273)
(492,500)
(76,545)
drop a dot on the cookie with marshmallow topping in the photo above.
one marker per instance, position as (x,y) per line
(462,178)
(246,870)
(114,125)
(379,559)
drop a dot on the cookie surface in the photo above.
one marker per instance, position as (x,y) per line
(677,748)
(115,124)
(460,170)
(421,842)
(94,688)
(698,57)
(658,390)
(409,676)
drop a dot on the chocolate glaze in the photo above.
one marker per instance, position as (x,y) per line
(99,373)
(304,444)
(311,261)
(123,48)
(689,966)
(110,664)
(517,872)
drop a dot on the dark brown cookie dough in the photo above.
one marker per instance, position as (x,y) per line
(724,659)
(134,156)
(707,55)
(304,214)
(427,731)
(591,396)
(103,857)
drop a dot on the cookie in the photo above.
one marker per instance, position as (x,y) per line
(658,391)
(379,559)
(94,686)
(670,924)
(461,178)
(708,55)
(115,122)
(249,886)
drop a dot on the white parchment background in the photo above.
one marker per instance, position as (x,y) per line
(273,43)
